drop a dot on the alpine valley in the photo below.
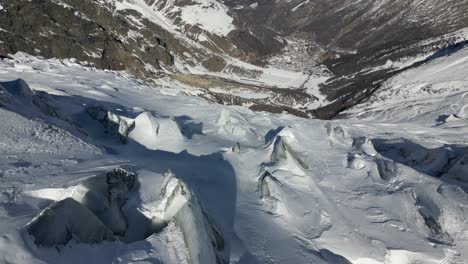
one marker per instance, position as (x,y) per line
(235,131)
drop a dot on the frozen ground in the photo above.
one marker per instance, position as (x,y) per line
(97,167)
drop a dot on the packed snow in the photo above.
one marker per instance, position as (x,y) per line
(99,167)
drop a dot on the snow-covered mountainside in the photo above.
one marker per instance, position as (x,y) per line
(431,92)
(308,58)
(101,167)
(349,25)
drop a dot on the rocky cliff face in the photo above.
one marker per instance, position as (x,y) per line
(83,30)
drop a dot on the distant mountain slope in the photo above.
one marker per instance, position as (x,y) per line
(358,35)
(354,45)
(434,93)
(134,35)
(356,25)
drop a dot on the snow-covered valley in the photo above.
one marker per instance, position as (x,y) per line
(100,167)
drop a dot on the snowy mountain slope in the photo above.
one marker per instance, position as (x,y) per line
(210,16)
(202,182)
(414,94)
(122,31)
(326,54)
(350,37)
(149,40)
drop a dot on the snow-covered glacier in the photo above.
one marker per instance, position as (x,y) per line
(100,167)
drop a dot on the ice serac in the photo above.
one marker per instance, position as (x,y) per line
(106,207)
(124,125)
(89,213)
(180,204)
(430,161)
(271,194)
(17,94)
(337,134)
(365,145)
(282,149)
(236,147)
(232,124)
(157,133)
(105,195)
(113,124)
(66,220)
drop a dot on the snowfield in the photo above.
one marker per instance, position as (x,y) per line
(99,167)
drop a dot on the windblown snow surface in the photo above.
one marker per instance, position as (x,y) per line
(98,167)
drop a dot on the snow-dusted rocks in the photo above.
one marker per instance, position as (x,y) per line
(105,195)
(236,147)
(149,130)
(433,92)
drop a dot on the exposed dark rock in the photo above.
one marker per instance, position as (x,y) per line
(83,30)
(215,64)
